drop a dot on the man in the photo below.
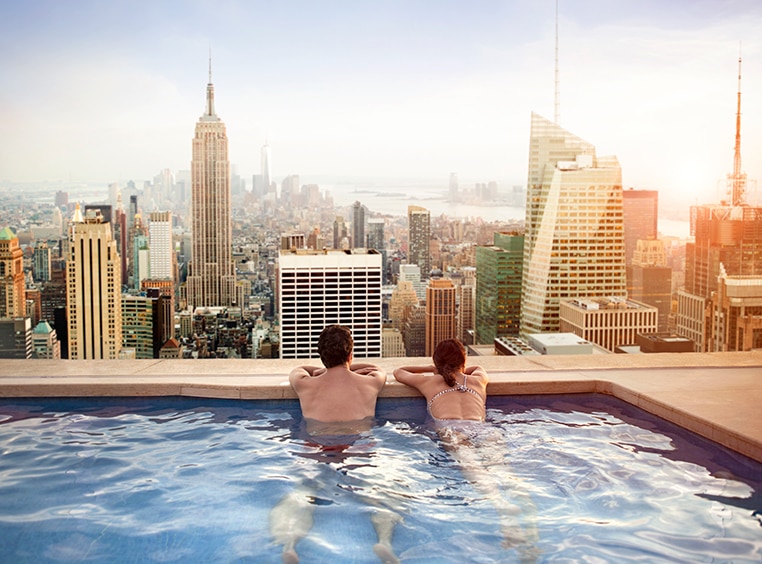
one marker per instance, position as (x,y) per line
(340,391)
(338,401)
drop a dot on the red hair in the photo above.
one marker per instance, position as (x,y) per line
(450,358)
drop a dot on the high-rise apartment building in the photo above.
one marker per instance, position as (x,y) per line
(440,313)
(498,287)
(211,272)
(419,238)
(12,288)
(93,290)
(574,244)
(320,288)
(640,213)
(162,253)
(358,226)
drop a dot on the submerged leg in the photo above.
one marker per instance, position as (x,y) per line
(290,521)
(384,521)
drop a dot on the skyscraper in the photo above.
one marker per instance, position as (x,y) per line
(93,290)
(727,238)
(358,226)
(498,287)
(440,313)
(640,211)
(211,272)
(162,257)
(12,288)
(41,266)
(574,245)
(419,238)
(319,288)
(649,279)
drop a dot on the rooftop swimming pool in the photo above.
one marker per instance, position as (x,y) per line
(547,478)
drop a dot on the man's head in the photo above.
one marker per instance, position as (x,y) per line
(335,346)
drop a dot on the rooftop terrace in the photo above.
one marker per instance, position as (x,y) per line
(716,395)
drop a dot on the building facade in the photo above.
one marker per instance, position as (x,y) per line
(440,313)
(93,290)
(640,213)
(737,314)
(649,279)
(12,286)
(419,238)
(211,272)
(162,258)
(498,287)
(608,323)
(320,288)
(574,243)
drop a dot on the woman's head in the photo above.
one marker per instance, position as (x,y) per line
(450,358)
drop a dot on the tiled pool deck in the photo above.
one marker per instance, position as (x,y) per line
(717,395)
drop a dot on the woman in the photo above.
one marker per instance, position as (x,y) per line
(455,399)
(452,391)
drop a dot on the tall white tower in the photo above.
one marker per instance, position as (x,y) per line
(574,242)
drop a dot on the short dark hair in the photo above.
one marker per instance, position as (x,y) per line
(335,345)
(450,358)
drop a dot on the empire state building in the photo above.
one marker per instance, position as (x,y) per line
(211,272)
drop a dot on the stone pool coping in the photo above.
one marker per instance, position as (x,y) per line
(716,395)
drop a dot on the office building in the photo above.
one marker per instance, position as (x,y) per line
(358,226)
(340,234)
(607,322)
(412,273)
(419,239)
(728,240)
(574,244)
(737,314)
(320,288)
(93,290)
(640,214)
(12,286)
(414,332)
(403,300)
(162,252)
(41,262)
(498,287)
(649,279)
(392,345)
(45,343)
(466,304)
(440,313)
(137,325)
(15,337)
(211,272)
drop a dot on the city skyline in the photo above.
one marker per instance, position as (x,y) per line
(109,92)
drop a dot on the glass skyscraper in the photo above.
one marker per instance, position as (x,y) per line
(574,242)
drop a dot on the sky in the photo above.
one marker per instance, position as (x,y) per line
(111,90)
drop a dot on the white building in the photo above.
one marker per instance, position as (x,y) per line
(162,257)
(320,288)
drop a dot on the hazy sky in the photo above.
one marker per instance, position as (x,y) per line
(111,90)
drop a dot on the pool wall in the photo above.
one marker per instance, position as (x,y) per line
(716,395)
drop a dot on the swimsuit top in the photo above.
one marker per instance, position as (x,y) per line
(457,388)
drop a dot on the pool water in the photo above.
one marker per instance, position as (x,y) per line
(585,477)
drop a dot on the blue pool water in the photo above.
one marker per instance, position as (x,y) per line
(193,480)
